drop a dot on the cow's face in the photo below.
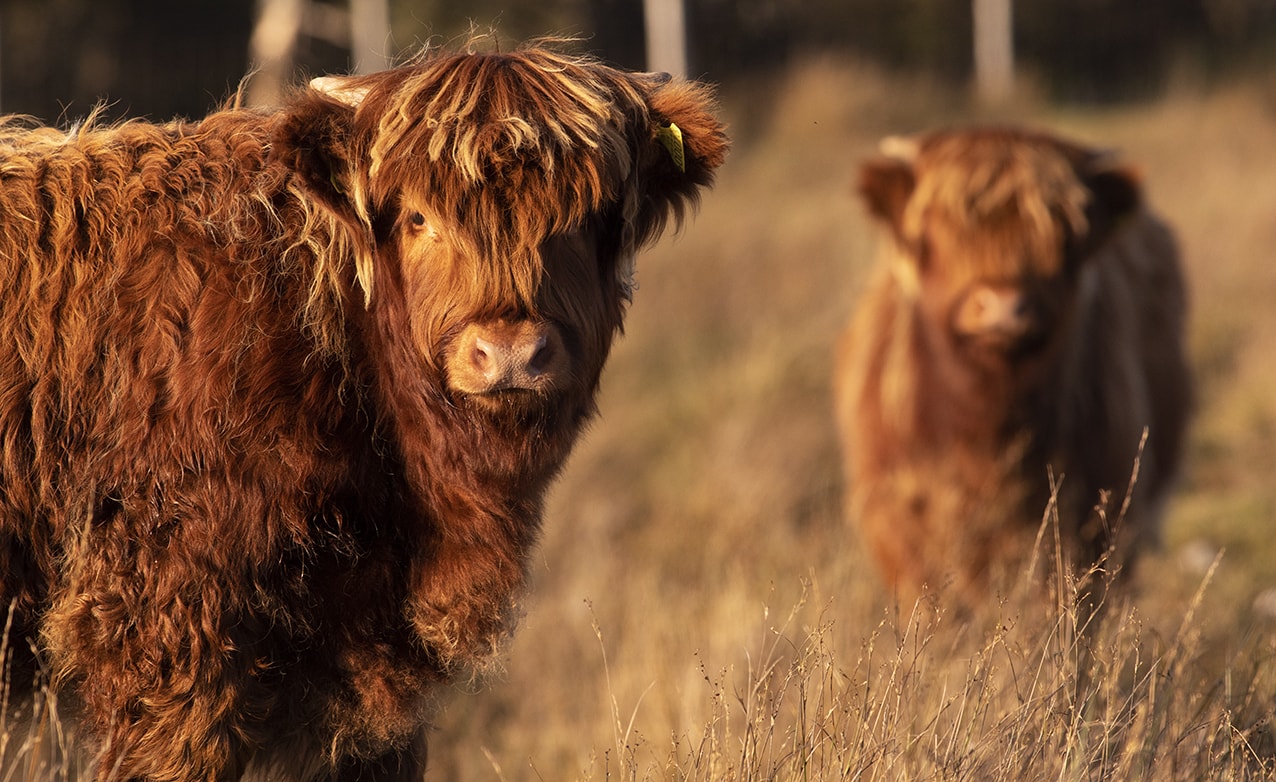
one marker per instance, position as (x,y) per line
(992,231)
(500,199)
(499,340)
(986,293)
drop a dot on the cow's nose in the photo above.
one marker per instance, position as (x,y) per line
(997,310)
(497,360)
(501,355)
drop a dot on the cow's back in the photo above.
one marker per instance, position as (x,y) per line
(141,272)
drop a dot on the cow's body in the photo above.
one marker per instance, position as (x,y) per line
(1028,322)
(283,391)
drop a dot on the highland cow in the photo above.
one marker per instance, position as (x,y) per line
(1024,331)
(282,392)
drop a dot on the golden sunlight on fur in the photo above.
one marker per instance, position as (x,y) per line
(284,391)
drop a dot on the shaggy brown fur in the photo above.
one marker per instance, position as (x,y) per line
(1028,319)
(282,392)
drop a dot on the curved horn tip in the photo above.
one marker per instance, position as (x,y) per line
(335,87)
(903,148)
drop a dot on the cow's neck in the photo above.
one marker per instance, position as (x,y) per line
(992,405)
(965,401)
(473,493)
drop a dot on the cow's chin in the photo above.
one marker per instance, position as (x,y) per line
(524,424)
(521,405)
(1002,348)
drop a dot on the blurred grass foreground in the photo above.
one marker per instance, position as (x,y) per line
(699,609)
(701,612)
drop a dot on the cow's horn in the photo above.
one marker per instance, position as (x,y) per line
(902,148)
(336,88)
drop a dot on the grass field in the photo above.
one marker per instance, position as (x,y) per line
(701,612)
(699,609)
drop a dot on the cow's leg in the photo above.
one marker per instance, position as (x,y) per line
(24,590)
(165,684)
(159,632)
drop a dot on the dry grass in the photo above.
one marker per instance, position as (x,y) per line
(701,612)
(699,609)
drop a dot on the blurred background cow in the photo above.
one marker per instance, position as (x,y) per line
(1024,330)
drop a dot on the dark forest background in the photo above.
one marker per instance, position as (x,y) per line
(161,59)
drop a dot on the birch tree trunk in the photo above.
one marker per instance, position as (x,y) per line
(370,35)
(994,50)
(666,36)
(271,47)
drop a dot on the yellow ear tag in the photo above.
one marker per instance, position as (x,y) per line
(671,137)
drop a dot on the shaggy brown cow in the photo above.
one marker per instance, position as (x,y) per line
(282,392)
(1028,320)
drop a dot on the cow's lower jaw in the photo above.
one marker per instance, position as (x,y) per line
(519,402)
(1004,345)
(517,429)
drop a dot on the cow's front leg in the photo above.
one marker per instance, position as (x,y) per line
(161,650)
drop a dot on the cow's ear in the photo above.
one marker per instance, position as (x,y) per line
(681,146)
(315,140)
(1115,194)
(687,129)
(886,184)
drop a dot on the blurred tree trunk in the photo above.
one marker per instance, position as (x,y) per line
(270,50)
(994,50)
(370,35)
(363,29)
(666,36)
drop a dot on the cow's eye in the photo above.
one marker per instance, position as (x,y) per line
(419,227)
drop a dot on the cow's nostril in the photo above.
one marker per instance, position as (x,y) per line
(542,355)
(483,356)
